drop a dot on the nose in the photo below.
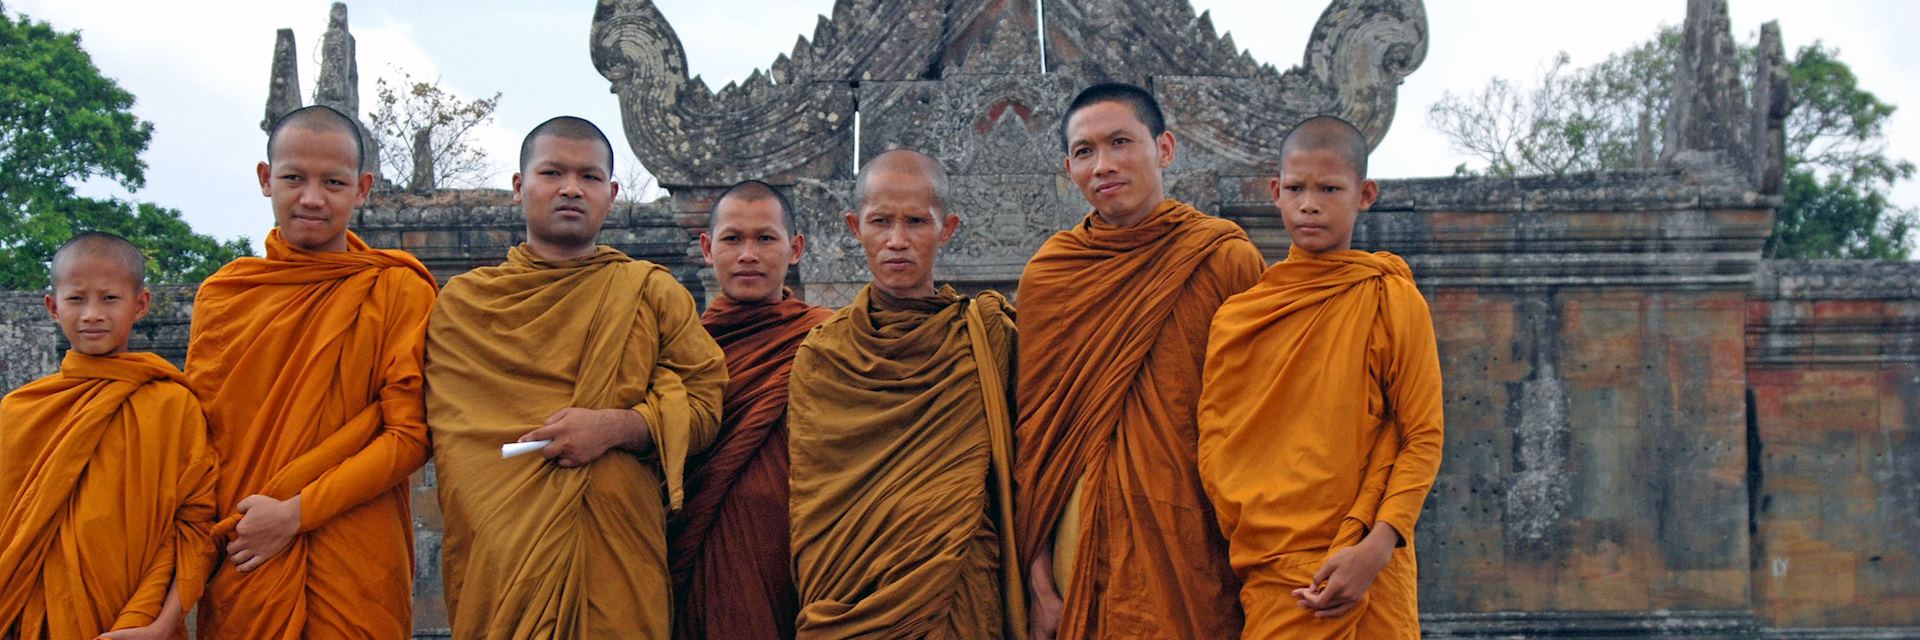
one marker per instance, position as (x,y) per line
(897,237)
(570,187)
(311,196)
(1102,163)
(92,313)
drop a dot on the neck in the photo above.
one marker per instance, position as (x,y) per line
(924,290)
(554,251)
(1130,218)
(776,298)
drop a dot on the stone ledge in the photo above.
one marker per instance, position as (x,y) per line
(1834,312)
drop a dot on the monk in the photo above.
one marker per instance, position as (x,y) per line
(901,434)
(1115,531)
(598,356)
(308,364)
(1320,413)
(732,576)
(105,469)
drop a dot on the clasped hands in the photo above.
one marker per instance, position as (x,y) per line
(1343,580)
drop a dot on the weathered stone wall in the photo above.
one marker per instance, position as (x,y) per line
(1833,377)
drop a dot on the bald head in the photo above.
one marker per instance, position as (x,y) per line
(320,119)
(568,127)
(751,191)
(898,162)
(1328,133)
(108,249)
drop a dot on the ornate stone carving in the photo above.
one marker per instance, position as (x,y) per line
(963,81)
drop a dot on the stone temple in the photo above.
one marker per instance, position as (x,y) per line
(1651,431)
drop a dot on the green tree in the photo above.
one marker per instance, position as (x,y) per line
(62,122)
(1611,116)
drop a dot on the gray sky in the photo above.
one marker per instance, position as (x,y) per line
(199,70)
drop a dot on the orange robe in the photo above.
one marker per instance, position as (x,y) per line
(728,545)
(308,364)
(1112,335)
(532,549)
(1321,415)
(900,436)
(108,483)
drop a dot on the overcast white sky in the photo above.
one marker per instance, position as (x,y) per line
(199,69)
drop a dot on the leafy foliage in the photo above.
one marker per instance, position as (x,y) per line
(61,123)
(1612,115)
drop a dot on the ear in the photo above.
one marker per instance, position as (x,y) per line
(1369,192)
(364,187)
(948,225)
(516,187)
(706,247)
(615,194)
(1273,189)
(52,309)
(853,223)
(1167,147)
(266,175)
(799,247)
(142,303)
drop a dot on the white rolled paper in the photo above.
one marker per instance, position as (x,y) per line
(512,449)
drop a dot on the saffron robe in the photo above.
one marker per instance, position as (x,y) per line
(728,545)
(1321,415)
(308,364)
(532,549)
(900,435)
(1113,334)
(108,482)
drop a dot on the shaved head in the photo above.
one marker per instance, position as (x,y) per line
(1329,133)
(115,249)
(753,191)
(903,161)
(319,118)
(568,127)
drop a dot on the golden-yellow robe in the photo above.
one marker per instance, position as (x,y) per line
(1113,329)
(308,364)
(108,482)
(534,550)
(1321,415)
(900,433)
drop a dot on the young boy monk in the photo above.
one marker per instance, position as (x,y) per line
(104,469)
(309,364)
(1320,412)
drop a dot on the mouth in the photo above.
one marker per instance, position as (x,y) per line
(1109,189)
(748,274)
(310,219)
(570,209)
(93,334)
(897,264)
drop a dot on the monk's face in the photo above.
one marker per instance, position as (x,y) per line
(565,192)
(96,301)
(315,182)
(750,250)
(1116,161)
(1320,195)
(901,231)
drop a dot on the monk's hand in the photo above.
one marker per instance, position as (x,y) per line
(1044,623)
(581,436)
(149,632)
(1341,583)
(266,527)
